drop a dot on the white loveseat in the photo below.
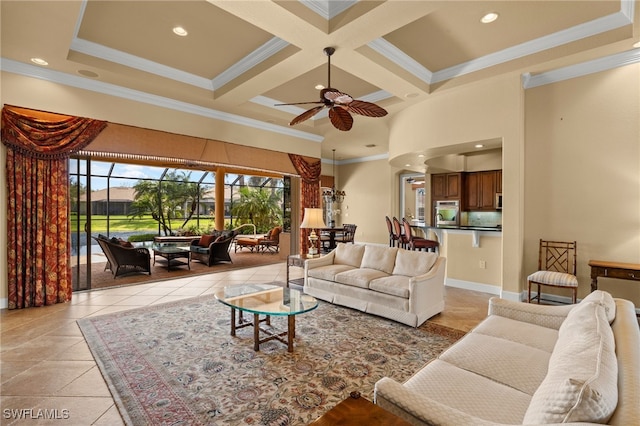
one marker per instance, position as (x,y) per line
(402,285)
(531,364)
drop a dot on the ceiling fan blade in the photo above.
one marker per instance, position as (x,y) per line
(306,115)
(336,96)
(300,103)
(366,108)
(340,118)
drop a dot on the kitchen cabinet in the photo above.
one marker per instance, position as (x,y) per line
(499,181)
(446,186)
(480,191)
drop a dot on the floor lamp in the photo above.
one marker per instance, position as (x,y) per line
(313,220)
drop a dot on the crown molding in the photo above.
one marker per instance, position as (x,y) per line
(590,67)
(597,26)
(328,9)
(33,71)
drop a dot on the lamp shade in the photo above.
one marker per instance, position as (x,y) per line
(312,219)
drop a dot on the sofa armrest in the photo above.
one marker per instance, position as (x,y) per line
(543,315)
(412,406)
(427,287)
(316,262)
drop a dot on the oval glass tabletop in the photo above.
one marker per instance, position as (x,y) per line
(266,299)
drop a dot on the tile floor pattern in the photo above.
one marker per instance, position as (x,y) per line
(45,363)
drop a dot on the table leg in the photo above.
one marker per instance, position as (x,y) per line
(291,332)
(233,321)
(256,332)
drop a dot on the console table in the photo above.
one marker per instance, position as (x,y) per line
(622,271)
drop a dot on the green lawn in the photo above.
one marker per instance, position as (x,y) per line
(127,224)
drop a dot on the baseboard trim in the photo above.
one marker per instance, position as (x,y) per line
(470,285)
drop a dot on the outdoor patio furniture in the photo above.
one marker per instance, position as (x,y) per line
(123,260)
(213,248)
(271,242)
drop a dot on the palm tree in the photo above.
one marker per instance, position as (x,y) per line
(259,206)
(172,197)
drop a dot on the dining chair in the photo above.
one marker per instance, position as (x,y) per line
(556,268)
(402,240)
(393,236)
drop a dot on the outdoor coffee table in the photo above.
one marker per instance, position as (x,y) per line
(268,300)
(171,254)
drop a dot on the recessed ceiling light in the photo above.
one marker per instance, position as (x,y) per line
(39,61)
(489,17)
(180,31)
(479,145)
(319,87)
(407,165)
(420,155)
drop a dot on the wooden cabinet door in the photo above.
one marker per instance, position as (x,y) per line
(438,187)
(454,185)
(488,190)
(471,191)
(499,181)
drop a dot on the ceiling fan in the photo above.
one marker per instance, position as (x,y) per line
(339,103)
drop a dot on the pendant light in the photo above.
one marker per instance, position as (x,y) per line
(333,195)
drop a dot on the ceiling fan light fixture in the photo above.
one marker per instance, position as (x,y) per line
(319,86)
(340,105)
(489,17)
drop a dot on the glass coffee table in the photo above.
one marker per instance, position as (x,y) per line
(267,300)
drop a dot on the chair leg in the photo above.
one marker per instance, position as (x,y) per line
(574,296)
(529,293)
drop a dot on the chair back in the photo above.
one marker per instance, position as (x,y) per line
(389,225)
(397,227)
(349,232)
(407,230)
(557,256)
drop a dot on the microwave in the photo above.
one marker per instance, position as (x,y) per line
(499,201)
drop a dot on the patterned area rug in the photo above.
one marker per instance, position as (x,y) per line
(176,363)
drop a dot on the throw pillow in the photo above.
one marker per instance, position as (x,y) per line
(348,254)
(379,257)
(582,380)
(205,240)
(606,300)
(125,243)
(414,263)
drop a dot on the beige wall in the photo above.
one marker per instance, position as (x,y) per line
(369,187)
(583,133)
(489,110)
(463,259)
(582,180)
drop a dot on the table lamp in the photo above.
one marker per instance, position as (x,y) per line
(313,220)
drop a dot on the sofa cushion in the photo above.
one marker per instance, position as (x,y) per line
(359,277)
(469,392)
(395,285)
(582,382)
(381,258)
(513,364)
(348,254)
(606,300)
(328,272)
(413,263)
(533,335)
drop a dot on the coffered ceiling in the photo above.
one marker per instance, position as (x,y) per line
(240,58)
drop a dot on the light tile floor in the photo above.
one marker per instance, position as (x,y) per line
(45,363)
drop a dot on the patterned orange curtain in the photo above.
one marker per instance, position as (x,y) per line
(39,251)
(310,188)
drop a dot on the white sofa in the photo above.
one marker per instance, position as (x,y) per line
(402,285)
(531,364)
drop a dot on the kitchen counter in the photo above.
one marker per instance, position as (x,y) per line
(471,228)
